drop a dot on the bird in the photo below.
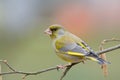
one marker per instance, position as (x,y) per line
(70,47)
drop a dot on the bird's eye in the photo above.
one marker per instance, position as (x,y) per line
(54,29)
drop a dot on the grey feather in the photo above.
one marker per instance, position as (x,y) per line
(74,47)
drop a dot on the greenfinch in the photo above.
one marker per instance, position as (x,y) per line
(71,48)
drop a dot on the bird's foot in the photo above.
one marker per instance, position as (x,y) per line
(60,67)
(83,62)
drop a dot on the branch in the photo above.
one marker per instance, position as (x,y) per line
(0,72)
(67,66)
(13,71)
(108,49)
(25,73)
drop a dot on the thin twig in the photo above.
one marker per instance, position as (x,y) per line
(0,72)
(103,66)
(108,49)
(103,56)
(5,61)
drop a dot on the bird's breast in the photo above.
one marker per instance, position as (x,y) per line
(69,58)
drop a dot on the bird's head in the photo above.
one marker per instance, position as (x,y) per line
(55,31)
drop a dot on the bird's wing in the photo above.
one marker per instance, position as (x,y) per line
(75,49)
(71,46)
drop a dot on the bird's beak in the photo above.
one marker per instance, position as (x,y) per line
(48,31)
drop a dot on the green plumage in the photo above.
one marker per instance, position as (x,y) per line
(70,47)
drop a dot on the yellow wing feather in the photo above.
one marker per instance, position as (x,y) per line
(75,54)
(82,55)
(83,46)
(92,58)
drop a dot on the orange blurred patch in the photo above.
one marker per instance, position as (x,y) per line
(76,18)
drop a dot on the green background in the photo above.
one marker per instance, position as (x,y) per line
(32,51)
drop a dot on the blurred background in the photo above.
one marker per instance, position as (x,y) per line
(26,47)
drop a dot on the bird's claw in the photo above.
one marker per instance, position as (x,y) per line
(83,62)
(60,67)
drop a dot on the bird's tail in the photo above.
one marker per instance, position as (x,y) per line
(99,60)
